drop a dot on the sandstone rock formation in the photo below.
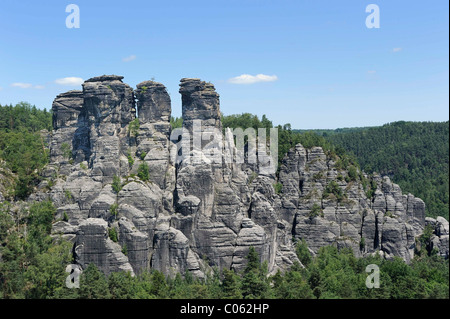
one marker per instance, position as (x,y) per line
(198,211)
(440,236)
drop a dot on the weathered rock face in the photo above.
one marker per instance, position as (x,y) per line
(198,209)
(153,102)
(92,245)
(153,144)
(330,208)
(66,112)
(200,101)
(440,237)
(66,109)
(108,109)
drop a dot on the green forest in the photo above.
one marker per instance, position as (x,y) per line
(22,147)
(32,264)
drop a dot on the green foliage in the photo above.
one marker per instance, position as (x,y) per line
(33,265)
(68,195)
(22,146)
(125,249)
(352,173)
(278,187)
(252,178)
(93,284)
(424,241)
(66,151)
(255,284)
(414,154)
(133,127)
(158,285)
(319,176)
(176,122)
(114,210)
(143,171)
(316,210)
(389,214)
(130,159)
(46,276)
(231,285)
(245,120)
(334,189)
(362,243)
(122,285)
(6,220)
(24,116)
(40,217)
(112,233)
(116,184)
(291,285)
(143,155)
(303,253)
(370,192)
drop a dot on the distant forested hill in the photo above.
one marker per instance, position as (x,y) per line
(328,132)
(22,147)
(414,154)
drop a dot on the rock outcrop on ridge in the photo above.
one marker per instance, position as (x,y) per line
(195,213)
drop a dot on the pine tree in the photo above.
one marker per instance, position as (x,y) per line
(231,285)
(93,284)
(254,282)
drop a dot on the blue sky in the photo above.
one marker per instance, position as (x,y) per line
(319,65)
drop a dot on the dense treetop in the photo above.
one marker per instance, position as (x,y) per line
(22,146)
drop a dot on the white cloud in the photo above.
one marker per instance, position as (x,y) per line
(22,85)
(250,79)
(39,87)
(129,58)
(396,49)
(371,71)
(69,81)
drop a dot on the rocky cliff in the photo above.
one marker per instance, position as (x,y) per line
(195,213)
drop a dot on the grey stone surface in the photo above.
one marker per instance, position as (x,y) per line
(153,102)
(440,237)
(93,245)
(198,211)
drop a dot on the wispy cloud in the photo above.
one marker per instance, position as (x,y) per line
(69,81)
(22,85)
(396,49)
(27,86)
(129,58)
(250,79)
(371,71)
